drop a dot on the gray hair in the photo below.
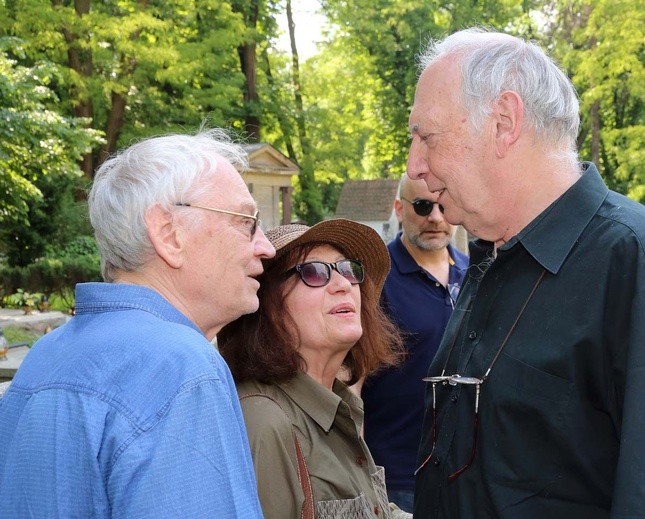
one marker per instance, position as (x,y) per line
(159,170)
(492,63)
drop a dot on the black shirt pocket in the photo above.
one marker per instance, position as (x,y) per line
(524,420)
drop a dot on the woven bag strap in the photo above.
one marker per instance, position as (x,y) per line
(303,472)
(305,482)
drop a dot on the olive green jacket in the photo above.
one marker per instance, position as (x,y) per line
(344,479)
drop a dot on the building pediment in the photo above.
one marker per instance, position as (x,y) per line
(264,158)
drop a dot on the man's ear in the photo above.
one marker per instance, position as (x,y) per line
(398,210)
(508,115)
(164,235)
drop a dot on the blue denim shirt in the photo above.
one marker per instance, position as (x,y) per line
(125,411)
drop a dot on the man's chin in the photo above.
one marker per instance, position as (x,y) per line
(434,244)
(252,307)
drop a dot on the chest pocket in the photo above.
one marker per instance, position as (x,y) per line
(358,507)
(523,402)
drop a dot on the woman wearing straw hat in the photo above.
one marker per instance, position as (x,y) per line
(319,313)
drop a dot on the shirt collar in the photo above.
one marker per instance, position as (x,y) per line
(104,297)
(550,237)
(320,403)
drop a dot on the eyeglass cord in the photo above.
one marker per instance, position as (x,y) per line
(490,367)
(508,335)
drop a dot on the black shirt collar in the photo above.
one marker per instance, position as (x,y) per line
(550,237)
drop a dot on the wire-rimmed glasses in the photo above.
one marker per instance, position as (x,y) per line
(456,379)
(453,380)
(254,218)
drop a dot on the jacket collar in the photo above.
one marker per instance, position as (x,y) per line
(320,403)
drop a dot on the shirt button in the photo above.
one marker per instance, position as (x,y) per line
(437,462)
(454,397)
(360,461)
(472,335)
(437,284)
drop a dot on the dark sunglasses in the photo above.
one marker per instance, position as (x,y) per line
(318,273)
(422,206)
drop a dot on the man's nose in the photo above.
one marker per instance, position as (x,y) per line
(417,165)
(263,247)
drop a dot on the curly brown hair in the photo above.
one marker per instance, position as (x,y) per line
(264,346)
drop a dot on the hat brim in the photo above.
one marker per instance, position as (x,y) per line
(356,240)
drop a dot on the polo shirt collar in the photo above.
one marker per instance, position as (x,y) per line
(401,258)
(320,403)
(551,236)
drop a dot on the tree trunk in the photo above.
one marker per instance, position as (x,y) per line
(594,120)
(247,53)
(119,100)
(251,98)
(297,87)
(310,202)
(79,56)
(114,125)
(282,120)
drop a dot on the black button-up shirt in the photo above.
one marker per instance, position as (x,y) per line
(562,413)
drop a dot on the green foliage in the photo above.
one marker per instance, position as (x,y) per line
(22,299)
(79,246)
(58,274)
(172,64)
(39,150)
(358,121)
(138,68)
(37,144)
(601,44)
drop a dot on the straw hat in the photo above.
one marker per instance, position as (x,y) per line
(354,239)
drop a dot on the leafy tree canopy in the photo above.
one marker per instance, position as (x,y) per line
(35,140)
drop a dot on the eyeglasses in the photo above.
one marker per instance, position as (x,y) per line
(318,273)
(252,219)
(422,206)
(454,380)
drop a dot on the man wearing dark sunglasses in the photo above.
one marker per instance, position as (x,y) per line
(419,294)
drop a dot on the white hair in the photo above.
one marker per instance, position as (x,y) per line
(159,170)
(492,63)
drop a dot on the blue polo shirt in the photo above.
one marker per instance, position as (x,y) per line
(394,398)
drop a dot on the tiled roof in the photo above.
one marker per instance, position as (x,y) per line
(367,200)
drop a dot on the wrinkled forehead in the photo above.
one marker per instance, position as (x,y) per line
(441,79)
(225,185)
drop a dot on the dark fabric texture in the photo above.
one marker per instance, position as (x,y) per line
(562,412)
(394,398)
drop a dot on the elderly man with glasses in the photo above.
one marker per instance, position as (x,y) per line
(128,410)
